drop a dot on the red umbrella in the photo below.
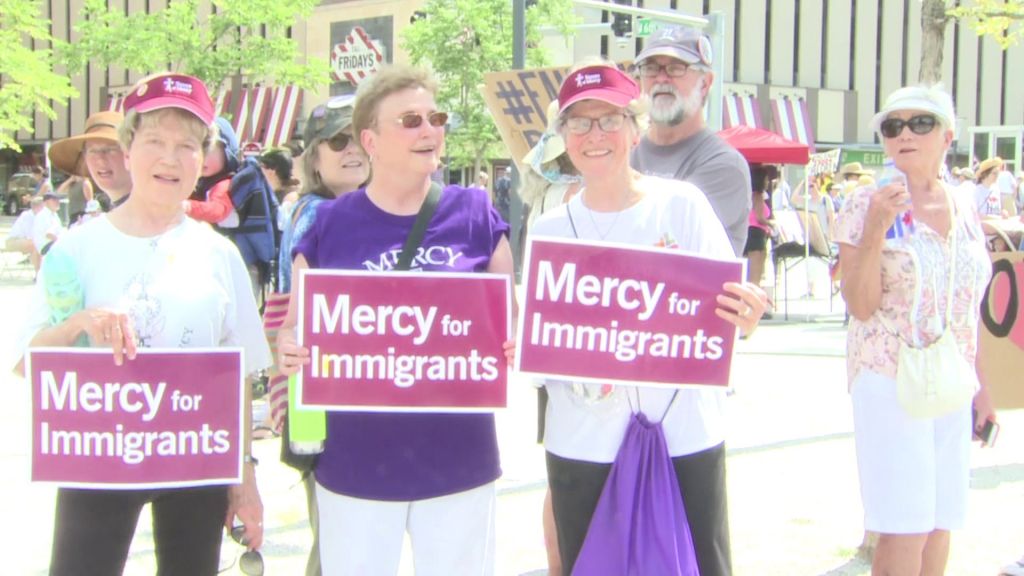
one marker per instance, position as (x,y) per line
(763,147)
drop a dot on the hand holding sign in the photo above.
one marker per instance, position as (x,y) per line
(744,307)
(109,328)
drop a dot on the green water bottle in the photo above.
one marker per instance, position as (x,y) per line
(64,292)
(307,428)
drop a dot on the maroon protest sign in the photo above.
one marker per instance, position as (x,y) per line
(167,418)
(630,315)
(409,341)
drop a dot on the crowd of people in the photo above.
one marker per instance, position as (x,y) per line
(626,158)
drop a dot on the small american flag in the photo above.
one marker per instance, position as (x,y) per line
(903,226)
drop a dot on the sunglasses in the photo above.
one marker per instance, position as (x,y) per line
(415,120)
(251,561)
(920,124)
(581,125)
(338,142)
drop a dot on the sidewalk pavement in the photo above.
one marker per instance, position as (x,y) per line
(794,501)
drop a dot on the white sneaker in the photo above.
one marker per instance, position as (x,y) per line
(1015,569)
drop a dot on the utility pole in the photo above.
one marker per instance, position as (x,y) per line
(515,212)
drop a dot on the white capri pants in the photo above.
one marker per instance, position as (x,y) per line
(914,473)
(451,534)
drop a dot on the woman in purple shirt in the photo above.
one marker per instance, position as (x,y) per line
(384,474)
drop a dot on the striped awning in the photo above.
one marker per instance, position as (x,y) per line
(265,115)
(740,110)
(792,120)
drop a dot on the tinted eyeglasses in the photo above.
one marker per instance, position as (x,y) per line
(415,120)
(920,124)
(251,561)
(581,125)
(338,142)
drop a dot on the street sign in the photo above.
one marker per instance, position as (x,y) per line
(646,26)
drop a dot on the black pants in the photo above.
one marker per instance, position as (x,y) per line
(576,487)
(94,528)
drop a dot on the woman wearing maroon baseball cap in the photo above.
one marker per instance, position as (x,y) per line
(601,119)
(146,276)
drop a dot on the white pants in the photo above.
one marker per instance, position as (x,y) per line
(914,472)
(450,534)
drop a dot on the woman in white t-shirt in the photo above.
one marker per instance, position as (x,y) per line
(600,119)
(144,276)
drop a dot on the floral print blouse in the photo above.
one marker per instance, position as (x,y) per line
(916,267)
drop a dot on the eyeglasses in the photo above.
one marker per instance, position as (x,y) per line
(338,142)
(251,561)
(97,152)
(581,125)
(673,70)
(415,120)
(920,124)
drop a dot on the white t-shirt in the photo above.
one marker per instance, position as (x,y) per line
(22,227)
(592,430)
(43,225)
(186,288)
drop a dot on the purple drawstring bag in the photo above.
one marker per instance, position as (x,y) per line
(639,527)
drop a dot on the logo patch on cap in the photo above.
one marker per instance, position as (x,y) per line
(704,49)
(587,79)
(142,90)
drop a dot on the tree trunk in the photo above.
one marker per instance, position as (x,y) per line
(933,33)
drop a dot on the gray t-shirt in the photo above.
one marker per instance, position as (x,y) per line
(707,162)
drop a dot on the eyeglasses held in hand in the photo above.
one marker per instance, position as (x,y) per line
(338,142)
(581,125)
(415,120)
(251,561)
(920,124)
(673,70)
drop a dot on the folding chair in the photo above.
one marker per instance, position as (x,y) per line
(15,265)
(789,254)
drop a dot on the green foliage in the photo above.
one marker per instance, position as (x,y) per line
(241,36)
(461,40)
(27,81)
(998,19)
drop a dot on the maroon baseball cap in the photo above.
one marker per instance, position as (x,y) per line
(604,83)
(172,91)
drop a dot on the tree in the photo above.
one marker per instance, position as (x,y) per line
(27,81)
(998,19)
(463,39)
(248,37)
(934,18)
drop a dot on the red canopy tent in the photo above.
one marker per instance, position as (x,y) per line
(763,147)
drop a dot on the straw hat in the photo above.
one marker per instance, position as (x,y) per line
(66,154)
(854,168)
(994,162)
(551,145)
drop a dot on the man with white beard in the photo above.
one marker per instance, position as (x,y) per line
(675,71)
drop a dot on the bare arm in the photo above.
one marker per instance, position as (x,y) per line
(290,356)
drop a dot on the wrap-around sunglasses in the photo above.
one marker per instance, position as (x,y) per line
(920,124)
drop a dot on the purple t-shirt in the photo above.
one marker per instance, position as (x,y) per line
(400,456)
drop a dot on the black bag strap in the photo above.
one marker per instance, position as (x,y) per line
(412,242)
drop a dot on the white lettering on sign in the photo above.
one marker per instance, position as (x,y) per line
(589,290)
(130,397)
(343,318)
(357,57)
